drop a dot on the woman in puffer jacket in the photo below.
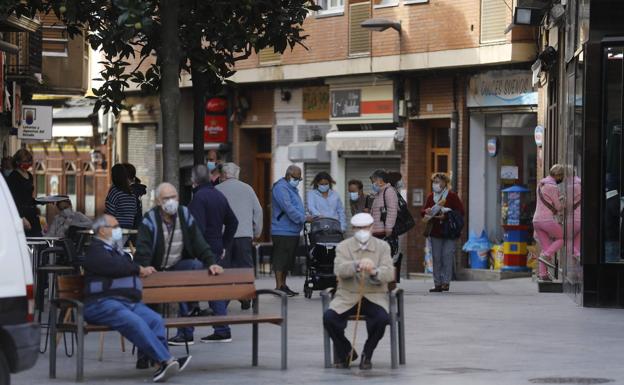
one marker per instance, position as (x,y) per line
(547,217)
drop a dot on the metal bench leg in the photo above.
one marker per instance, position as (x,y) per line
(393,333)
(284,333)
(52,362)
(401,308)
(254,345)
(80,347)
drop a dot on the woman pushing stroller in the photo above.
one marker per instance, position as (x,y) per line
(324,202)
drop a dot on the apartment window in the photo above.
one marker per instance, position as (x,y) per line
(495,16)
(55,40)
(385,3)
(331,6)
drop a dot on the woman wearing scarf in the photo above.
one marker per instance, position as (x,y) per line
(440,202)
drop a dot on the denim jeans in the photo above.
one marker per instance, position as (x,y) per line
(186,307)
(220,307)
(138,323)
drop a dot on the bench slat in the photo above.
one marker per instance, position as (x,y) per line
(198,278)
(199,293)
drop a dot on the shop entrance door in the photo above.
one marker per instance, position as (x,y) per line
(262,187)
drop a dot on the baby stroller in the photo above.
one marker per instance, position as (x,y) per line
(321,238)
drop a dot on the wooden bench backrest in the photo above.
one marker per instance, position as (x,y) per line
(179,286)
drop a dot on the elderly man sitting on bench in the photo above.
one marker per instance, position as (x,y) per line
(363,266)
(113,291)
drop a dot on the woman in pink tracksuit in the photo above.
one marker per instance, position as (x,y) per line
(546,223)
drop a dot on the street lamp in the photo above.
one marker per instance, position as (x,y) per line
(379,25)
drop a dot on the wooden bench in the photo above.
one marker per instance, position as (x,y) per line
(397,327)
(171,287)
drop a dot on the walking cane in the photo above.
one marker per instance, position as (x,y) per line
(357,316)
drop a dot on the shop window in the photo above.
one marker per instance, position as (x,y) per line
(613,145)
(440,151)
(40,183)
(89,189)
(70,183)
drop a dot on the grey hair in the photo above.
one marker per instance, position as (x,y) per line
(230,170)
(292,168)
(200,174)
(98,223)
(160,187)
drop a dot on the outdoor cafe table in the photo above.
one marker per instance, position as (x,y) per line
(36,246)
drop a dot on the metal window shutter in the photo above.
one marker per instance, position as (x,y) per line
(494,19)
(361,169)
(359,38)
(268,55)
(309,172)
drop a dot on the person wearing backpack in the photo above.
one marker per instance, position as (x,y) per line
(443,216)
(385,206)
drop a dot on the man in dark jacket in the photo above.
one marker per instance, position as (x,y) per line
(169,239)
(218,223)
(113,292)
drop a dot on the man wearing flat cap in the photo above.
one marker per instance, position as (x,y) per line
(66,218)
(362,262)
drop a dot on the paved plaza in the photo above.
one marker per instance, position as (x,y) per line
(480,333)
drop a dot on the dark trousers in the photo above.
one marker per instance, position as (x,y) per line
(376,320)
(240,254)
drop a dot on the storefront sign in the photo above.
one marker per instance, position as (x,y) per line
(36,123)
(215,129)
(216,105)
(492,147)
(316,103)
(509,172)
(501,88)
(345,103)
(539,136)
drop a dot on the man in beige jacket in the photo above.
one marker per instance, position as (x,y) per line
(366,258)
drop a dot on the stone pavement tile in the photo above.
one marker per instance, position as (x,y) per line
(479,333)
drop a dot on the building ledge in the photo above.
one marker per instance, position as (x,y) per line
(19,24)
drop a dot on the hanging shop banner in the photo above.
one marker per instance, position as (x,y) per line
(501,88)
(215,129)
(316,103)
(16,112)
(36,123)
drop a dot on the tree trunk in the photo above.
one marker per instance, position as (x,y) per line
(199,112)
(170,90)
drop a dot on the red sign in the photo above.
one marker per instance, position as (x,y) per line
(216,105)
(215,129)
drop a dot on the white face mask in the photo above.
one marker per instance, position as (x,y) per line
(170,206)
(436,187)
(362,236)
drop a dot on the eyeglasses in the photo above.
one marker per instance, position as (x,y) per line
(297,179)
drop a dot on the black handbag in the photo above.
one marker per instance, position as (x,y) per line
(404,221)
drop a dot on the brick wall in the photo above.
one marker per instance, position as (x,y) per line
(434,26)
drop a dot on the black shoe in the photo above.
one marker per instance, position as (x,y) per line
(245,304)
(183,362)
(446,287)
(143,363)
(365,363)
(166,370)
(197,312)
(436,289)
(217,338)
(345,364)
(288,292)
(180,340)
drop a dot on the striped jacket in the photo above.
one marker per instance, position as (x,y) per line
(123,206)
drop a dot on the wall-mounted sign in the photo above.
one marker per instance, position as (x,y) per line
(345,103)
(509,172)
(316,103)
(215,129)
(36,123)
(501,88)
(492,147)
(539,136)
(216,105)
(418,197)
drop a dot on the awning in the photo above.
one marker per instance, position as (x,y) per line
(308,152)
(72,129)
(382,140)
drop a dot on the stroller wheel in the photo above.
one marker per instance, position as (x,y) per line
(307,292)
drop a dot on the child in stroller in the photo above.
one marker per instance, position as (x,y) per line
(321,236)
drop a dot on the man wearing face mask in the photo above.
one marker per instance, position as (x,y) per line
(359,202)
(66,218)
(213,163)
(170,239)
(287,220)
(113,291)
(361,257)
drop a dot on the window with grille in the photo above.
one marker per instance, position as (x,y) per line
(269,56)
(359,38)
(55,37)
(495,16)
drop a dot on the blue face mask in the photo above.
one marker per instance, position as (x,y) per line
(211,166)
(354,196)
(323,188)
(294,182)
(116,234)
(376,188)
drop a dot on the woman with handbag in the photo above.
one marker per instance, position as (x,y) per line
(547,219)
(435,213)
